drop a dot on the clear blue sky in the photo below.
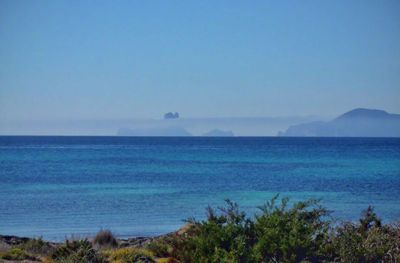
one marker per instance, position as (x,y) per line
(140,59)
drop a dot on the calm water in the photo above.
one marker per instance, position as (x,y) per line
(58,186)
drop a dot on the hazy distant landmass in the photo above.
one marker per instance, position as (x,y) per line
(218,133)
(355,123)
(156,131)
(171,115)
(240,126)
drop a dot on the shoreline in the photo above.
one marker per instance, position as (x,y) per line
(300,233)
(9,241)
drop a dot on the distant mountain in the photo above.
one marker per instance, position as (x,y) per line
(218,133)
(240,126)
(171,115)
(156,131)
(355,123)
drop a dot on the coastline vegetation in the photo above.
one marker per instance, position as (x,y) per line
(302,232)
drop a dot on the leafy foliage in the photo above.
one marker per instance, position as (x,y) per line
(161,248)
(131,255)
(167,260)
(290,234)
(281,233)
(77,251)
(368,241)
(227,236)
(105,239)
(16,254)
(301,232)
(37,246)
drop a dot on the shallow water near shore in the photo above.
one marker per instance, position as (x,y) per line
(144,186)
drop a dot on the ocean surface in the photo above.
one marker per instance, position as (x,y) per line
(56,187)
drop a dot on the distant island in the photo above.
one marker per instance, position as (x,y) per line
(171,115)
(355,123)
(218,133)
(154,131)
(169,131)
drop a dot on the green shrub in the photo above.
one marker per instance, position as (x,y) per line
(280,232)
(16,254)
(38,247)
(299,233)
(105,239)
(290,234)
(160,248)
(173,246)
(167,260)
(131,255)
(76,251)
(367,241)
(226,236)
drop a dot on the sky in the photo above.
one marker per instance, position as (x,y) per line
(74,60)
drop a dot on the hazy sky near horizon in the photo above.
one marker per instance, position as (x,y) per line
(140,59)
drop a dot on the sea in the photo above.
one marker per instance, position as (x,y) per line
(59,187)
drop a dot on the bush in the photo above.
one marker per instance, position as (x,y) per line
(131,255)
(299,233)
(16,254)
(76,251)
(105,239)
(290,234)
(367,241)
(37,247)
(160,248)
(226,236)
(167,260)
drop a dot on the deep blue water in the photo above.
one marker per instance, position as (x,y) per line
(58,186)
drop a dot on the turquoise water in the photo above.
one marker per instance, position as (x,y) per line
(58,186)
